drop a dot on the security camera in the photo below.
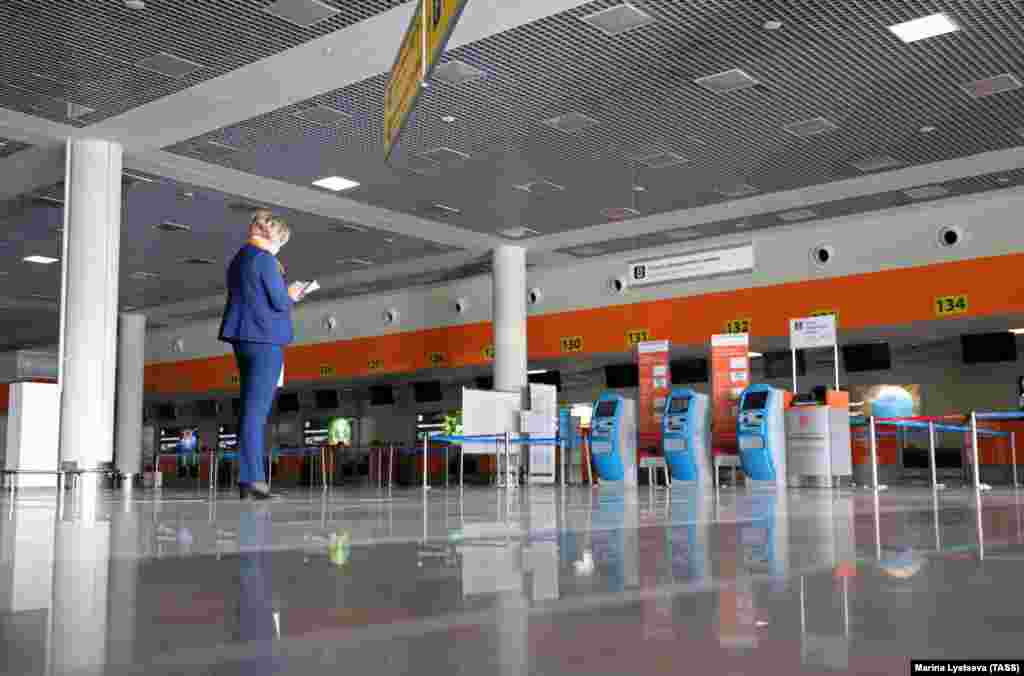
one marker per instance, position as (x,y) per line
(391,316)
(535,296)
(618,284)
(330,323)
(822,255)
(950,236)
(461,305)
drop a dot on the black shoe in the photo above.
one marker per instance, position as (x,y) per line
(256,492)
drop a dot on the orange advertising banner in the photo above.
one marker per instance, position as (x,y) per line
(730,375)
(652,360)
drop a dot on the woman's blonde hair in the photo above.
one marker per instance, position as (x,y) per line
(268,226)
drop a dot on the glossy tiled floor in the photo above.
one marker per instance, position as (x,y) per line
(537,582)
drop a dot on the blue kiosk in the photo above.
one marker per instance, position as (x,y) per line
(686,434)
(613,438)
(761,432)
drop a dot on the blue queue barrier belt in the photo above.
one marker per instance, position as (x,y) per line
(939,427)
(465,439)
(1000,415)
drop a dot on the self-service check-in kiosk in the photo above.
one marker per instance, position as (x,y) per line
(613,438)
(686,435)
(761,432)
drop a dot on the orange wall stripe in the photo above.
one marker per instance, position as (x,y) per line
(887,298)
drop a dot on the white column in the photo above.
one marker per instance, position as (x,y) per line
(509,290)
(131,363)
(92,219)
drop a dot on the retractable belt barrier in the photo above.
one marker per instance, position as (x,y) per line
(503,443)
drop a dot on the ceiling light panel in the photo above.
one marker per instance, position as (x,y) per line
(661,160)
(797,215)
(619,213)
(741,190)
(925,27)
(171,226)
(926,192)
(519,233)
(455,72)
(335,183)
(571,123)
(41,260)
(619,19)
(303,13)
(541,188)
(876,163)
(1000,84)
(587,251)
(444,156)
(169,65)
(811,127)
(728,81)
(682,235)
(324,115)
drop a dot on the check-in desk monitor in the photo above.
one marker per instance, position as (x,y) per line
(761,432)
(686,434)
(613,438)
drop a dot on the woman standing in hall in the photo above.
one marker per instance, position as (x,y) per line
(258,324)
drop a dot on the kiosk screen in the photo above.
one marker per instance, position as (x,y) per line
(755,401)
(679,405)
(605,409)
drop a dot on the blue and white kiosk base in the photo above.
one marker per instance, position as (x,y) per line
(761,433)
(613,439)
(686,435)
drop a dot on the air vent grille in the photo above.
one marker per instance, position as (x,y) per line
(877,163)
(571,123)
(456,73)
(324,115)
(797,215)
(926,192)
(811,127)
(741,190)
(661,160)
(444,156)
(144,276)
(729,81)
(302,13)
(169,65)
(1000,84)
(619,19)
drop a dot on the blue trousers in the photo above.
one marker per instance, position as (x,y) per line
(259,368)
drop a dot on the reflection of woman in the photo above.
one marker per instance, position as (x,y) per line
(258,324)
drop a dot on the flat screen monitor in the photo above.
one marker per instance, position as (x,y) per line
(166,412)
(989,348)
(382,395)
(780,364)
(679,405)
(546,378)
(327,399)
(428,391)
(484,382)
(605,409)
(755,401)
(689,371)
(236,406)
(208,408)
(619,376)
(288,403)
(867,357)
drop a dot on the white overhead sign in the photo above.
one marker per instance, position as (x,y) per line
(711,263)
(811,332)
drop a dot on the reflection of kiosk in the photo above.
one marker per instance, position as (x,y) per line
(314,433)
(761,431)
(686,431)
(613,438)
(227,438)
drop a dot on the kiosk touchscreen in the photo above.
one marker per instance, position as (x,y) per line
(686,433)
(761,431)
(613,438)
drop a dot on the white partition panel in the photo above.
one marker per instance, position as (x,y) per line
(486,412)
(32,432)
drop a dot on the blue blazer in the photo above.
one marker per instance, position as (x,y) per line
(259,309)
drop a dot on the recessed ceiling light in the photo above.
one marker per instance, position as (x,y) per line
(335,183)
(619,19)
(728,81)
(135,4)
(570,123)
(357,261)
(42,260)
(1003,179)
(924,27)
(1000,84)
(797,215)
(540,188)
(140,275)
(303,13)
(928,129)
(741,190)
(639,188)
(169,65)
(519,233)
(925,192)
(448,119)
(619,213)
(772,25)
(389,240)
(171,226)
(682,235)
(754,355)
(811,127)
(456,73)
(876,163)
(445,209)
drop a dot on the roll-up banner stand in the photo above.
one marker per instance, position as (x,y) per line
(652,360)
(730,375)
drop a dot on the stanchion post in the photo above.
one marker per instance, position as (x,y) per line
(931,454)
(974,450)
(1013,456)
(426,441)
(874,452)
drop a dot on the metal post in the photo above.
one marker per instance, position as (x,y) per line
(935,516)
(793,354)
(446,461)
(874,452)
(980,526)
(931,453)
(835,348)
(426,486)
(508,461)
(1013,456)
(878,529)
(974,450)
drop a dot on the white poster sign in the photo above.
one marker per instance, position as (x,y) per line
(697,265)
(811,332)
(485,413)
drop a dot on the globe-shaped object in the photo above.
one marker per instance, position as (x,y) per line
(892,402)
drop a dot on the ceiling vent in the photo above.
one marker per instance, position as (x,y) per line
(144,276)
(198,261)
(346,228)
(541,188)
(77,110)
(797,215)
(444,156)
(926,192)
(619,213)
(741,190)
(139,177)
(729,81)
(519,233)
(1000,84)
(170,226)
(443,210)
(661,160)
(323,115)
(811,127)
(877,163)
(682,235)
(169,65)
(587,251)
(455,73)
(619,19)
(571,123)
(302,13)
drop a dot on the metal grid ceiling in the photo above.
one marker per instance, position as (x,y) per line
(857,205)
(86,51)
(834,59)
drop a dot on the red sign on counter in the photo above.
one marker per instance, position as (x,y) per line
(730,375)
(655,381)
